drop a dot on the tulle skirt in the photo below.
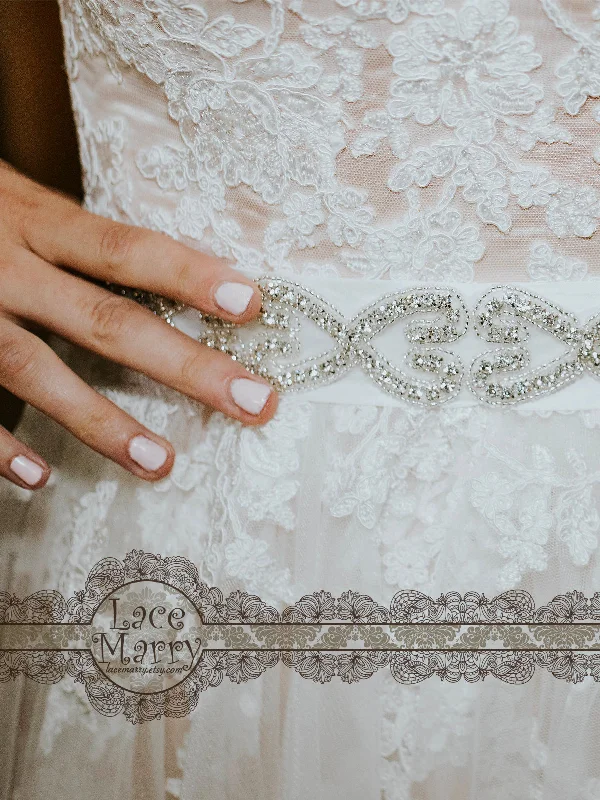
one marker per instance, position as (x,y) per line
(326,496)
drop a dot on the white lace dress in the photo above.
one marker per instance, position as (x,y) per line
(358,148)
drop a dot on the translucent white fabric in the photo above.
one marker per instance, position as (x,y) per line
(415,141)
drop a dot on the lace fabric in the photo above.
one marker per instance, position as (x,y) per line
(384,141)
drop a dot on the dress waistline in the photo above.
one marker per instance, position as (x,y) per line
(385,342)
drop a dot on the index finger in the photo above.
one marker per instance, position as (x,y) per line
(140,258)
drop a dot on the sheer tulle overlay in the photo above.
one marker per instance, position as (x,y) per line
(420,141)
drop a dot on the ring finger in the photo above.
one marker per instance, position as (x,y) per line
(31,370)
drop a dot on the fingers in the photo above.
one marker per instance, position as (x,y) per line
(121,330)
(20,464)
(140,258)
(32,371)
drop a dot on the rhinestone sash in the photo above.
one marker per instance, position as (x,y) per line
(387,343)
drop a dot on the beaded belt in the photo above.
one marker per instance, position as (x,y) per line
(388,343)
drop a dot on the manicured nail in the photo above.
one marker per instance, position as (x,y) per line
(146,453)
(234,297)
(250,395)
(26,469)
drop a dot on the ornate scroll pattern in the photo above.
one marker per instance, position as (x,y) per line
(502,315)
(285,300)
(321,637)
(40,607)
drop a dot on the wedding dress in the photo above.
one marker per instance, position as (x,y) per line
(364,159)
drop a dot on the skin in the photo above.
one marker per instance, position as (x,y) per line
(49,248)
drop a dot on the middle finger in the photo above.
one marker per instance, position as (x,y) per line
(123,331)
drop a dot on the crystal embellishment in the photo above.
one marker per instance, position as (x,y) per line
(504,314)
(284,302)
(433,316)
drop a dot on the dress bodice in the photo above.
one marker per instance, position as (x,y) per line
(426,140)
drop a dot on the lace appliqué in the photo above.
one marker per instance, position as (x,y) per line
(545,264)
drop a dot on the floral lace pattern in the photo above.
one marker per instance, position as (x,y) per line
(269,101)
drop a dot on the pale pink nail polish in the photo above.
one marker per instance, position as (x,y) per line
(26,469)
(148,454)
(234,297)
(250,395)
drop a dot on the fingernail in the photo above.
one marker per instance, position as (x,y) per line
(146,453)
(234,297)
(26,469)
(250,395)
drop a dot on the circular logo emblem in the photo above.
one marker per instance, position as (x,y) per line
(146,637)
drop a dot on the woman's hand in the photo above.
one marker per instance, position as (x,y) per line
(45,240)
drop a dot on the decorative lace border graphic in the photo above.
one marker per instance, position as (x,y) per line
(238,636)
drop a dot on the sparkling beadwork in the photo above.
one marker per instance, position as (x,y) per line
(161,306)
(502,315)
(284,302)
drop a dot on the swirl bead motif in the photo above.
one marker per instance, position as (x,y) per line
(502,315)
(434,316)
(284,301)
